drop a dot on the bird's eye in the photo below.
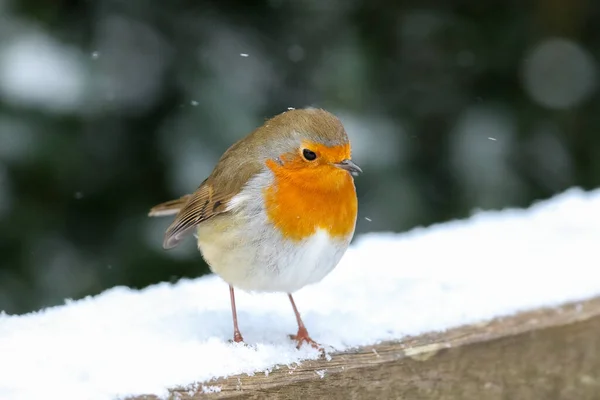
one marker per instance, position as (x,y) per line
(309,155)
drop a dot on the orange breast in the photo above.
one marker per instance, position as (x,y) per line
(302,201)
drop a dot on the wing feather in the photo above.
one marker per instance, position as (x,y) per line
(203,204)
(237,165)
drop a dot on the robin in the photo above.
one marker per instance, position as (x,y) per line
(277,212)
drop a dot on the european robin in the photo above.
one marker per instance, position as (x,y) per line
(277,212)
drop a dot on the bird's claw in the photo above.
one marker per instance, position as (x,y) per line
(237,338)
(302,337)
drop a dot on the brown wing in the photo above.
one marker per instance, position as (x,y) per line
(238,164)
(203,204)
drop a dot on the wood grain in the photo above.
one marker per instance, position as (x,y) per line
(549,353)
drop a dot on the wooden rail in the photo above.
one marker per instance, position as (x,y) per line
(545,354)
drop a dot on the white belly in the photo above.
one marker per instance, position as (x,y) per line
(290,266)
(268,263)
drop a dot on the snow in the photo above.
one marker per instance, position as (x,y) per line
(125,342)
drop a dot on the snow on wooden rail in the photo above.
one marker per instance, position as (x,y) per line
(549,353)
(387,289)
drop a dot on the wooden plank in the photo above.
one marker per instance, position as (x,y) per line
(543,354)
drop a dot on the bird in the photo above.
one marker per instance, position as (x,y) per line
(277,212)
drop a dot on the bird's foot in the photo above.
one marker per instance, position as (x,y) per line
(237,338)
(302,337)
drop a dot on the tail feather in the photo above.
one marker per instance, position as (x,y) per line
(170,207)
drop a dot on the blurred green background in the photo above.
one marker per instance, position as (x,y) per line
(109,107)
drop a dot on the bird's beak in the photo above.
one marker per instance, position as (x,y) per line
(349,166)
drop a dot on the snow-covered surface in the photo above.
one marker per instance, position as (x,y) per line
(388,285)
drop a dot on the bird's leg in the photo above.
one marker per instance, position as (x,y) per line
(302,335)
(237,336)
